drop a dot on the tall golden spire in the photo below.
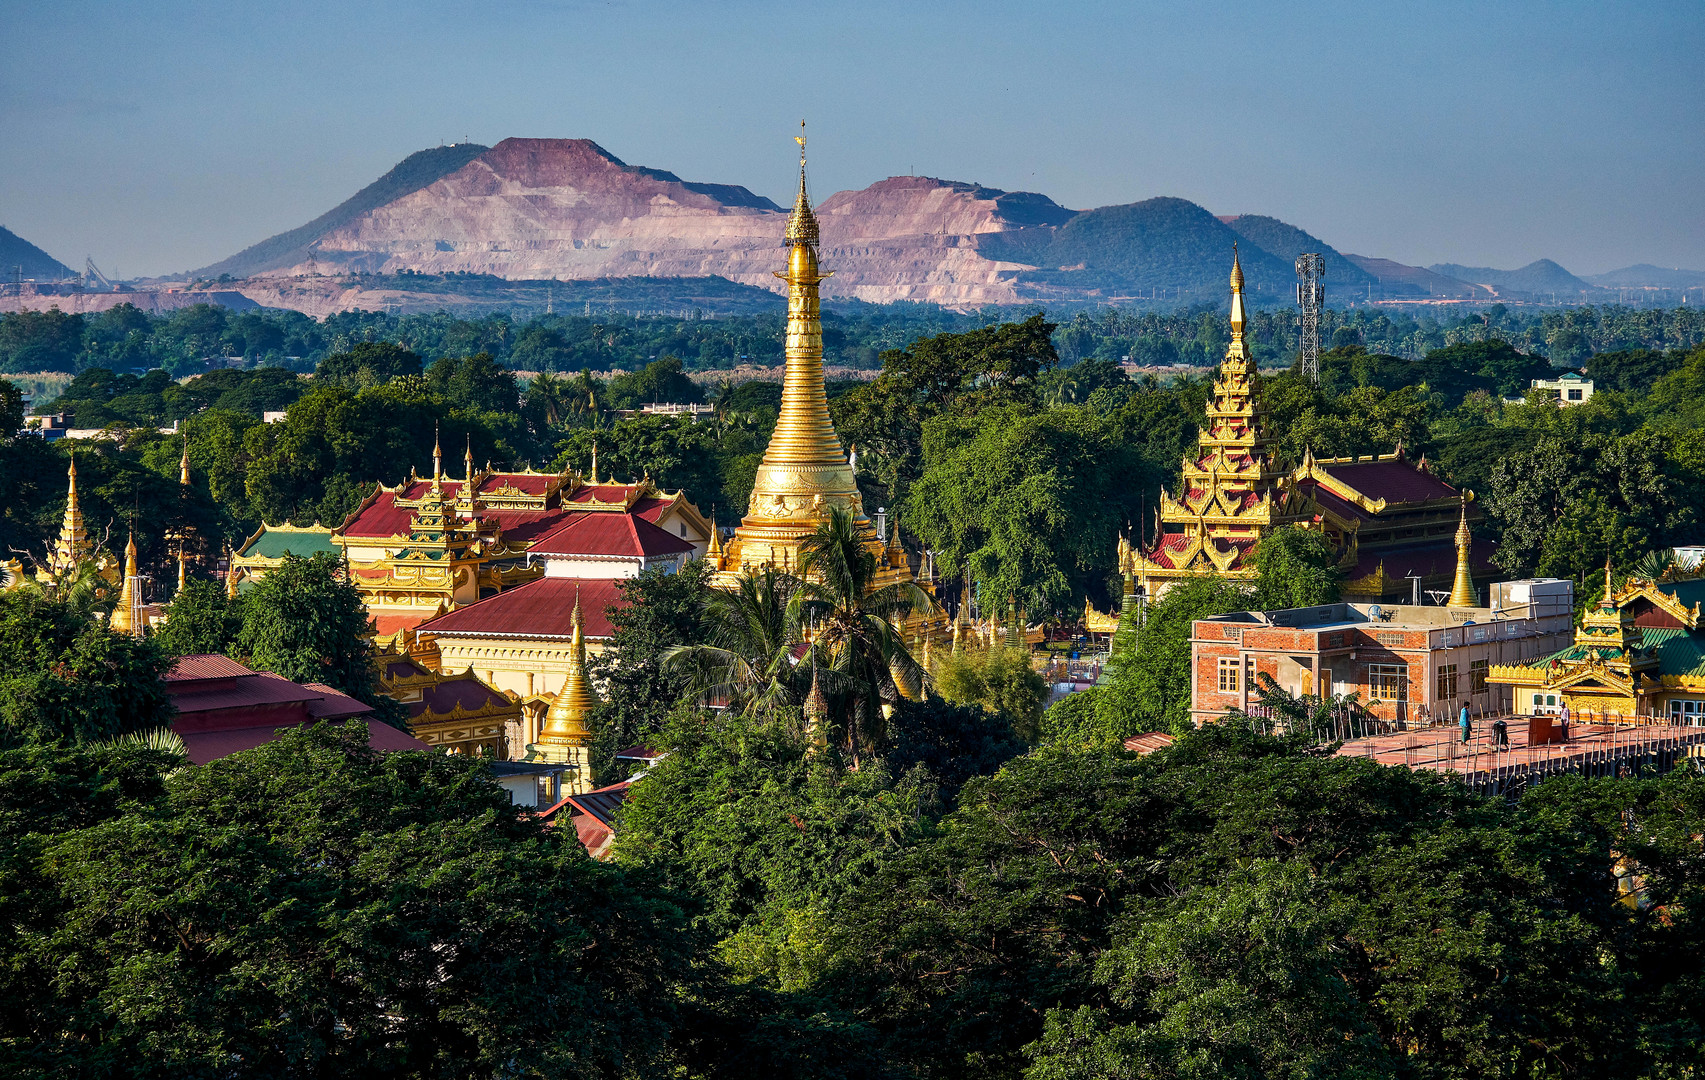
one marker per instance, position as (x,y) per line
(73,544)
(565,723)
(183,466)
(468,466)
(1462,591)
(437,463)
(124,613)
(804,472)
(1237,349)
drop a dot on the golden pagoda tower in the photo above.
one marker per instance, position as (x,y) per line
(566,738)
(1234,492)
(126,614)
(804,472)
(183,466)
(1462,590)
(73,544)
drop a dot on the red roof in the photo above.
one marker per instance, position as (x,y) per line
(1337,504)
(1171,545)
(607,533)
(205,666)
(466,691)
(1436,558)
(386,625)
(604,493)
(542,608)
(385,518)
(1149,743)
(1393,481)
(205,746)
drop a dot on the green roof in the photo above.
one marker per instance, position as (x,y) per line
(275,543)
(1687,592)
(1680,651)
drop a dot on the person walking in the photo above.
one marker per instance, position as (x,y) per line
(1501,734)
(1563,724)
(1464,722)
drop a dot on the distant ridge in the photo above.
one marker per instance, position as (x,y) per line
(1288,242)
(409,175)
(1647,276)
(1423,281)
(1536,278)
(16,252)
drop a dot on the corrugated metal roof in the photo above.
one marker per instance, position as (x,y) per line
(602,803)
(205,746)
(1393,481)
(205,666)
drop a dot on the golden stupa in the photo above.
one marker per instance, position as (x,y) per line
(804,472)
(567,735)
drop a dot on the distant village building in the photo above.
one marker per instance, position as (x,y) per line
(1570,388)
(1391,520)
(1407,664)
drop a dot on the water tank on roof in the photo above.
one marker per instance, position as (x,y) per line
(1375,611)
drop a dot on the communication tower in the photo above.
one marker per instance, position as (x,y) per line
(1311,297)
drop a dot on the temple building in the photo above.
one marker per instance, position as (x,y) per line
(566,738)
(1392,521)
(457,712)
(805,472)
(432,545)
(1637,658)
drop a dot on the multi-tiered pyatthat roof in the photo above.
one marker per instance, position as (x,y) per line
(804,471)
(1234,491)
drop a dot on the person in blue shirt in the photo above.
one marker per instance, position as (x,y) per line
(1465,723)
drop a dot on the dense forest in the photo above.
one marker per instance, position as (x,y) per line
(855,335)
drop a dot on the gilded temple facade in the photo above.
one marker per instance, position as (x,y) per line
(1637,658)
(1395,524)
(1233,491)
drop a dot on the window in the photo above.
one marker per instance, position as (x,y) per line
(1691,713)
(1477,672)
(1574,395)
(1229,667)
(1544,703)
(1447,682)
(1389,637)
(1388,682)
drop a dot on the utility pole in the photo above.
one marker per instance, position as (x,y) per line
(1311,295)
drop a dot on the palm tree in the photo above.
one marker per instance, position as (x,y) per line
(1654,566)
(550,392)
(854,627)
(749,660)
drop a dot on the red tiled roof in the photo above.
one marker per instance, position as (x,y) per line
(205,746)
(606,493)
(1149,743)
(603,802)
(1393,481)
(385,518)
(606,533)
(542,608)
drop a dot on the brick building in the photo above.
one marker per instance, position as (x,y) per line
(1407,664)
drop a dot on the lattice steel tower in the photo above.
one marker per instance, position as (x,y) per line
(1311,297)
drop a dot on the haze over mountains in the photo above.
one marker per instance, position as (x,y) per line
(21,259)
(569,210)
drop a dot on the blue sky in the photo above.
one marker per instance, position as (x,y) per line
(162,136)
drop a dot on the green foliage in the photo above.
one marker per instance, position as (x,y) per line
(1031,502)
(659,381)
(351,913)
(1297,568)
(1074,723)
(200,620)
(69,678)
(304,622)
(1150,690)
(1000,680)
(371,363)
(662,612)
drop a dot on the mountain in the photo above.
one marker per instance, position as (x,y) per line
(1161,246)
(567,209)
(1647,276)
(1288,242)
(20,258)
(289,248)
(1540,278)
(1393,276)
